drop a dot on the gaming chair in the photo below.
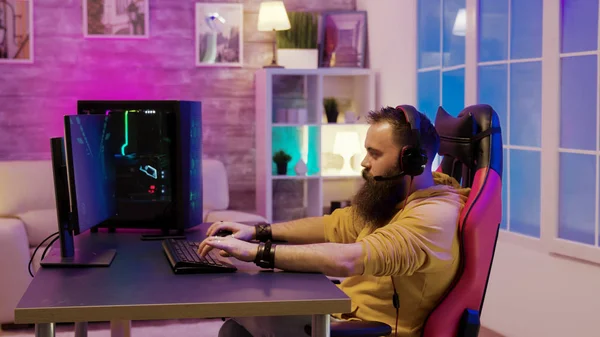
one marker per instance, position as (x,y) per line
(471,146)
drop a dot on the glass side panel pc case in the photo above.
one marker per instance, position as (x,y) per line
(157,152)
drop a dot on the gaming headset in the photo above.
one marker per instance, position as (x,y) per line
(412,158)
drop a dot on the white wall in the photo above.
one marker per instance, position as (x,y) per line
(392,42)
(532,293)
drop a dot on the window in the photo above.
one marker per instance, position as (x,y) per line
(549,111)
(509,70)
(441,56)
(579,136)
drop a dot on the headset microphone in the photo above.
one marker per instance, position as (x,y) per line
(387,178)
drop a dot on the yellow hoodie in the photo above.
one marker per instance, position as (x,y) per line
(419,248)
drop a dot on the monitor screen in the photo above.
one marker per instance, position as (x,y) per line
(91,170)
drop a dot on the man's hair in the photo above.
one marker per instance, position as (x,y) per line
(429,138)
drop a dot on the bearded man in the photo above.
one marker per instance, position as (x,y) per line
(397,239)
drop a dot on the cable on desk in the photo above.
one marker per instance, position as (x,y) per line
(38,247)
(48,246)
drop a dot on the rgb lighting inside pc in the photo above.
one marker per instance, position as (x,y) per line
(141,148)
(157,152)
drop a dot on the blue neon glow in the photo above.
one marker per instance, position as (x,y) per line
(150,171)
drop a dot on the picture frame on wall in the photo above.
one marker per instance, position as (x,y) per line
(121,19)
(343,39)
(16,31)
(219,34)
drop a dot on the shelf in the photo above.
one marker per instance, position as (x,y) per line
(292,124)
(345,124)
(319,71)
(331,177)
(286,177)
(338,177)
(322,124)
(291,117)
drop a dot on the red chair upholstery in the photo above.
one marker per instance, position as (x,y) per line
(471,146)
(476,161)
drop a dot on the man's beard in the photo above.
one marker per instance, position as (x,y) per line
(375,203)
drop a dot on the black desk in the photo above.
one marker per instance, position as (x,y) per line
(140,285)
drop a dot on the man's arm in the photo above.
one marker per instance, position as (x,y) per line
(302,231)
(332,259)
(336,227)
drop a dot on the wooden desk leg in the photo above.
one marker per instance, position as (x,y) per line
(320,326)
(44,330)
(81,329)
(120,328)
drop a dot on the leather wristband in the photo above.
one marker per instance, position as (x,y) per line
(263,232)
(265,255)
(259,253)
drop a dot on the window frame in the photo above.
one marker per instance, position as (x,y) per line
(551,106)
(439,68)
(508,62)
(472,97)
(549,241)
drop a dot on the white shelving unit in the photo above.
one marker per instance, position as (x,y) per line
(290,116)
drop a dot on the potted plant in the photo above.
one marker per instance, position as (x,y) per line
(297,46)
(281,159)
(331,109)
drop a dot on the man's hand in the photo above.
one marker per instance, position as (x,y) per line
(240,231)
(243,251)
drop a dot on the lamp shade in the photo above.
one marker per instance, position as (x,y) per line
(460,23)
(346,143)
(273,16)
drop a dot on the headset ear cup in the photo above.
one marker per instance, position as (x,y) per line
(413,161)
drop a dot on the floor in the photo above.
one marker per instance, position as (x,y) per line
(180,328)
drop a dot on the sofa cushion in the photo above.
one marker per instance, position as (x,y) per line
(39,224)
(14,258)
(26,186)
(230,215)
(215,186)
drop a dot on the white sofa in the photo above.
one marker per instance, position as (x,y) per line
(28,216)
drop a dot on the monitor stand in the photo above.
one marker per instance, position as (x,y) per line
(79,259)
(68,256)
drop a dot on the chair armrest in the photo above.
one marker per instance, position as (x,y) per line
(355,329)
(469,324)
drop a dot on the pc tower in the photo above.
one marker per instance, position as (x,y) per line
(157,150)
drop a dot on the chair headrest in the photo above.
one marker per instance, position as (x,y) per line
(473,137)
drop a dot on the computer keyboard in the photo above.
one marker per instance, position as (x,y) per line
(184,258)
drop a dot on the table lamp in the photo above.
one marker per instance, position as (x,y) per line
(272,16)
(346,144)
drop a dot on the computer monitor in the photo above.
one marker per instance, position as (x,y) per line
(84,185)
(157,147)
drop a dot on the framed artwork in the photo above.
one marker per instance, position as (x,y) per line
(219,34)
(116,19)
(343,36)
(16,31)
